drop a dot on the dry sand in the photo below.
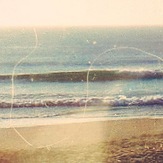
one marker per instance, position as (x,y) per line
(132,140)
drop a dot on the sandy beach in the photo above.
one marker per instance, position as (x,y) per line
(130,140)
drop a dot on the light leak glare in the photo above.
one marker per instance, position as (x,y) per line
(80,12)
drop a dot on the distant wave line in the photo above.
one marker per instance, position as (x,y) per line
(81,76)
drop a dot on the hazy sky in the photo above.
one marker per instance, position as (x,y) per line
(80,12)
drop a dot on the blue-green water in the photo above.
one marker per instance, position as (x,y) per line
(136,52)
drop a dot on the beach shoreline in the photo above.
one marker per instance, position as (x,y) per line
(99,138)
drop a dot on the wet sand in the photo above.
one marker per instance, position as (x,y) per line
(132,140)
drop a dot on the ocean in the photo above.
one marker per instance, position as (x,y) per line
(56,75)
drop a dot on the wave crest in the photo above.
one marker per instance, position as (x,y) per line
(93,76)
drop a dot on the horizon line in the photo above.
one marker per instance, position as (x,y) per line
(79,26)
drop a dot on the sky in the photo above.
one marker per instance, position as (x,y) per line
(81,12)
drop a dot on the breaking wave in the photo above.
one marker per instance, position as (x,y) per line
(91,101)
